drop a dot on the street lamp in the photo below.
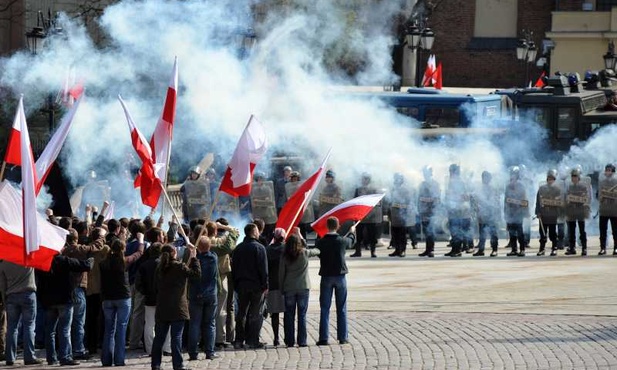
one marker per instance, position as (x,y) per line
(419,37)
(526,52)
(245,40)
(610,58)
(35,40)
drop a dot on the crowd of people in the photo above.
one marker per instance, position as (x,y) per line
(127,283)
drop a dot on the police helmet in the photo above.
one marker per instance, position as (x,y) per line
(552,173)
(515,171)
(91,175)
(259,175)
(398,178)
(195,169)
(609,167)
(366,175)
(455,169)
(295,174)
(486,176)
(330,173)
(427,171)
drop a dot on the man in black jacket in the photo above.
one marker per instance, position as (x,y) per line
(55,292)
(250,274)
(332,271)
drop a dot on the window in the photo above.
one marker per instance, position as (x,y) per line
(605,5)
(566,128)
(442,117)
(495,18)
(408,111)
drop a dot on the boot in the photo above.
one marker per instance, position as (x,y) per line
(571,251)
(494,252)
(513,252)
(402,252)
(541,252)
(373,255)
(425,253)
(456,250)
(553,252)
(602,251)
(521,253)
(396,253)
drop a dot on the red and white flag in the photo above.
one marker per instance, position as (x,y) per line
(28,185)
(431,67)
(352,210)
(52,150)
(13,150)
(253,144)
(292,211)
(160,143)
(540,81)
(150,183)
(438,78)
(110,211)
(12,240)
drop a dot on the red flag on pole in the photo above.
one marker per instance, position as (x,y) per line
(540,81)
(429,72)
(292,211)
(13,150)
(160,143)
(352,210)
(438,77)
(150,183)
(251,147)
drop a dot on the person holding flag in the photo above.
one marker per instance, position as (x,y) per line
(332,270)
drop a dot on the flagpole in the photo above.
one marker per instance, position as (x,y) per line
(216,199)
(180,229)
(300,209)
(2,170)
(352,226)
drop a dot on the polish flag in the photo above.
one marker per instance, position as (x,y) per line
(13,150)
(294,208)
(253,144)
(52,150)
(352,210)
(160,143)
(540,81)
(150,183)
(110,211)
(26,238)
(71,90)
(429,78)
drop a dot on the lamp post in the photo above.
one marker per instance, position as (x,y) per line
(526,52)
(419,37)
(45,29)
(245,40)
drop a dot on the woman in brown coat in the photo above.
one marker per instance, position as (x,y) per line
(172,307)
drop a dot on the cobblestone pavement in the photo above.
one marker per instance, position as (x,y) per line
(453,313)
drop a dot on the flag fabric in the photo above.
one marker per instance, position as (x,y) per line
(160,142)
(438,78)
(13,150)
(52,150)
(352,210)
(251,147)
(429,78)
(292,211)
(110,211)
(150,183)
(52,238)
(71,90)
(540,81)
(28,184)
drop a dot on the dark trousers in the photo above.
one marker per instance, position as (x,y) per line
(604,220)
(551,229)
(429,234)
(94,322)
(175,328)
(491,229)
(459,229)
(399,238)
(2,328)
(249,317)
(367,236)
(572,234)
(561,235)
(515,231)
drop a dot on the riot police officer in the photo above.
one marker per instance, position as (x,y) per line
(263,203)
(458,206)
(515,209)
(195,196)
(330,195)
(429,199)
(607,196)
(367,228)
(549,207)
(577,210)
(486,205)
(309,213)
(402,214)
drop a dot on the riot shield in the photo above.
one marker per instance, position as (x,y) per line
(197,199)
(262,202)
(309,214)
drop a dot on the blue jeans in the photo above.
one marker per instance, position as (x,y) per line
(20,306)
(293,300)
(160,333)
(79,320)
(58,318)
(116,314)
(203,314)
(338,284)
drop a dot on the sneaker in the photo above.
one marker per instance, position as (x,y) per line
(512,253)
(212,356)
(356,255)
(553,253)
(494,254)
(322,343)
(521,254)
(341,342)
(459,254)
(69,363)
(402,254)
(35,361)
(570,252)
(541,252)
(602,252)
(479,253)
